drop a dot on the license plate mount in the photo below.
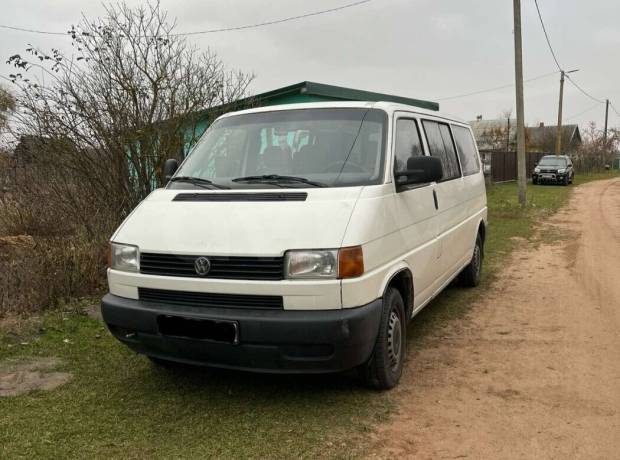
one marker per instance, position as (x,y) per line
(209,330)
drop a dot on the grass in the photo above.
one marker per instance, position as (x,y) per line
(118,405)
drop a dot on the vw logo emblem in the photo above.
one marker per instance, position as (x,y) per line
(202,265)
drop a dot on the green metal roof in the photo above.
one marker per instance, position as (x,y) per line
(308,91)
(310,88)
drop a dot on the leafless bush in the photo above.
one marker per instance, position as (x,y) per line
(134,95)
(40,272)
(94,136)
(596,151)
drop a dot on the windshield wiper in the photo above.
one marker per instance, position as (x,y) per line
(198,181)
(276,178)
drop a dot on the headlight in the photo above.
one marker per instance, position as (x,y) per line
(324,263)
(312,264)
(537,169)
(124,257)
(561,171)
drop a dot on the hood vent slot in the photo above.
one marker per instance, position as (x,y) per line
(268,196)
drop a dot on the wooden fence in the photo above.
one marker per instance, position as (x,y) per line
(504,165)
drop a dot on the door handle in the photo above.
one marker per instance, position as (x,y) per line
(435,199)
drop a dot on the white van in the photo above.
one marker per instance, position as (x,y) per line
(300,238)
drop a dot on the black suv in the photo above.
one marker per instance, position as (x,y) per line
(557,169)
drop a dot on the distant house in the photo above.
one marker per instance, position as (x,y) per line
(542,138)
(500,136)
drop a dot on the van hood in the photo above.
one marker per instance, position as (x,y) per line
(236,224)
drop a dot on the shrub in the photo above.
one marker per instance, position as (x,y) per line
(38,273)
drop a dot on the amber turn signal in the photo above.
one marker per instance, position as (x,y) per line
(350,262)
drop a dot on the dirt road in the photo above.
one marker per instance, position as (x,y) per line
(534,370)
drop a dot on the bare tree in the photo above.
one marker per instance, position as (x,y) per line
(131,94)
(500,134)
(595,152)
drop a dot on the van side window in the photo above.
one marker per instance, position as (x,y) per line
(466,150)
(441,146)
(407,144)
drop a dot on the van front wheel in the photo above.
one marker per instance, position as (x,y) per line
(470,276)
(385,366)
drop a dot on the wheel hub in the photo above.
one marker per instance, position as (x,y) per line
(477,260)
(394,340)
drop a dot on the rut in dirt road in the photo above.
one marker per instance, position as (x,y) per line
(534,370)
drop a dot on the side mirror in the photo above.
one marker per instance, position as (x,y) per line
(420,170)
(170,167)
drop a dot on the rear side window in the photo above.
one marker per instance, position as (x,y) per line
(466,150)
(407,143)
(441,146)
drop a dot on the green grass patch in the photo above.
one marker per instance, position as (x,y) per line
(119,405)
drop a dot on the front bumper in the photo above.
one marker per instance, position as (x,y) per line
(549,177)
(279,341)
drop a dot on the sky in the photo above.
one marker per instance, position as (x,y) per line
(425,49)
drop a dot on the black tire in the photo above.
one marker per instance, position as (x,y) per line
(470,276)
(385,366)
(534,181)
(565,181)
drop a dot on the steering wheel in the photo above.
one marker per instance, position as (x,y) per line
(340,166)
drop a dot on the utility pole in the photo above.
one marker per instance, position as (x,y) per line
(558,136)
(606,118)
(521,179)
(508,136)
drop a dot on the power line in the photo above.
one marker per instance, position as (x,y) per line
(34,31)
(583,90)
(276,21)
(224,29)
(489,90)
(542,23)
(614,109)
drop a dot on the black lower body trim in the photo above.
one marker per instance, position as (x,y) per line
(278,341)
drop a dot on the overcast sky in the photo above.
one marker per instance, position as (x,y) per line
(427,49)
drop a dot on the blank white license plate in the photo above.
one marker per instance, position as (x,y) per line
(548,176)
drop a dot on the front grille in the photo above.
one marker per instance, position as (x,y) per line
(222,267)
(210,300)
(547,171)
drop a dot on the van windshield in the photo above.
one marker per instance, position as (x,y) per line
(290,148)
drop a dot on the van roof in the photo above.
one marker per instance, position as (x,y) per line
(389,107)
